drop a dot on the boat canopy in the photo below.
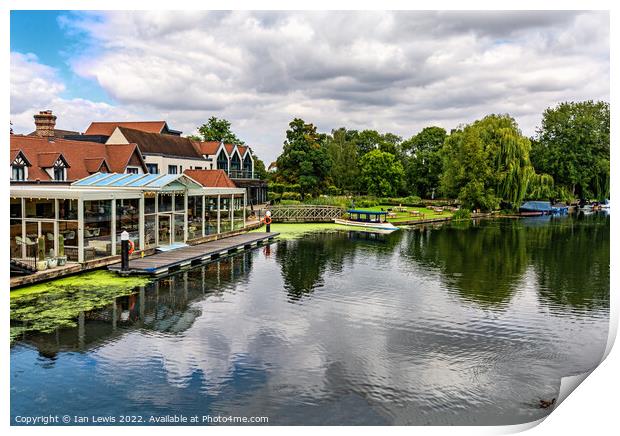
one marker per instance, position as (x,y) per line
(544,207)
(537,206)
(366,212)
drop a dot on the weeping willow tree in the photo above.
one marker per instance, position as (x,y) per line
(488,162)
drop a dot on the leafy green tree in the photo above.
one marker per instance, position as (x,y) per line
(424,163)
(259,168)
(381,173)
(343,154)
(390,143)
(486,163)
(368,140)
(572,146)
(218,130)
(304,160)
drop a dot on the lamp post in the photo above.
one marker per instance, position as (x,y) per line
(125,251)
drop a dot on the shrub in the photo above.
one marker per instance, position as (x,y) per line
(293,188)
(276,187)
(324,200)
(333,190)
(289,202)
(461,214)
(366,203)
(291,196)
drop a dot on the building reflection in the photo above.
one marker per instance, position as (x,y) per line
(163,306)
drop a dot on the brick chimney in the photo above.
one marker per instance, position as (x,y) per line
(45,122)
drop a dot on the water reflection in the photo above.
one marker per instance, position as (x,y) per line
(460,324)
(571,259)
(483,261)
(163,306)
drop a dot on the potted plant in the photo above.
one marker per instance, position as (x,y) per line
(41,263)
(51,260)
(62,259)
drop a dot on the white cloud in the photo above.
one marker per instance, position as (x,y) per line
(393,71)
(36,87)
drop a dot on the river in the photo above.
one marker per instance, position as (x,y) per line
(463,323)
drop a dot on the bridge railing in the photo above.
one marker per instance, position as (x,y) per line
(301,213)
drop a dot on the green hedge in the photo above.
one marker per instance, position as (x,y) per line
(291,196)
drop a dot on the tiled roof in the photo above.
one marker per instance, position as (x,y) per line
(47,159)
(229,148)
(209,147)
(211,178)
(78,155)
(94,164)
(242,149)
(107,127)
(58,133)
(155,143)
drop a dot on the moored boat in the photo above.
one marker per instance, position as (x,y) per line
(368,219)
(534,208)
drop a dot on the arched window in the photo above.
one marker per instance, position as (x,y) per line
(247,166)
(235,165)
(222,161)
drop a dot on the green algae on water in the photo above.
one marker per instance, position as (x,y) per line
(47,306)
(295,231)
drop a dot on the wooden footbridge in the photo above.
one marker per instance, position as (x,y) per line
(303,213)
(169,261)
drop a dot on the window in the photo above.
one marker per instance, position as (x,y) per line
(197,168)
(132,170)
(222,161)
(18,173)
(59,174)
(172,169)
(180,168)
(152,168)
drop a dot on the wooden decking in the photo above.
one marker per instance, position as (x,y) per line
(170,261)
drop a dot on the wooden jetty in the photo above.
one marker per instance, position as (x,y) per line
(169,261)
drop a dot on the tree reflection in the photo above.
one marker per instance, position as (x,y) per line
(571,259)
(482,262)
(304,261)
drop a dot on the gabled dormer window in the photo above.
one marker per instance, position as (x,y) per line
(19,168)
(59,174)
(60,170)
(18,173)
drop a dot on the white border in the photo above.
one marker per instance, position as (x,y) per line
(592,409)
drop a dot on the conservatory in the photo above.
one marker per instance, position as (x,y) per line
(157,210)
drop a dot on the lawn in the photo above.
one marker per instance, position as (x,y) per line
(406,216)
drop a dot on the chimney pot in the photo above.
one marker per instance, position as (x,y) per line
(45,122)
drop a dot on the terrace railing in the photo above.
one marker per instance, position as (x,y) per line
(240,174)
(298,213)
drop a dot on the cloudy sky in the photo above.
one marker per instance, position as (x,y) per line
(390,71)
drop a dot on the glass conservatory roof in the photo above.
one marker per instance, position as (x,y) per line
(136,181)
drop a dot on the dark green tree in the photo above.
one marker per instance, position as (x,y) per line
(424,162)
(343,154)
(304,160)
(259,168)
(381,173)
(218,130)
(572,146)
